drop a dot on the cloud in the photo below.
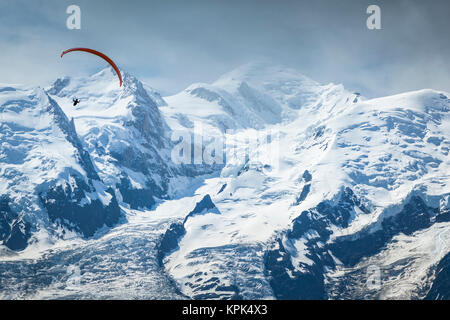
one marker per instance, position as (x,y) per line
(172,44)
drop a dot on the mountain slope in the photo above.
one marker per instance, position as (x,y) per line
(125,134)
(356,169)
(46,178)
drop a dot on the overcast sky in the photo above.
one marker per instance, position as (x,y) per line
(170,44)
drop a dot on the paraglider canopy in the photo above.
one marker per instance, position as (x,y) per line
(101,55)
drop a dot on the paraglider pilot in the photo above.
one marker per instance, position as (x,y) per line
(75,101)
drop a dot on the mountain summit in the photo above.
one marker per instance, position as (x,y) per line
(252,96)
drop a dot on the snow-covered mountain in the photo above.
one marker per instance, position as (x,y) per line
(251,96)
(125,135)
(123,131)
(347,198)
(47,180)
(352,181)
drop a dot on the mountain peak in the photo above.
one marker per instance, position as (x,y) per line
(102,82)
(262,74)
(252,96)
(101,95)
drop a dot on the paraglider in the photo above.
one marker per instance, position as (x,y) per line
(75,101)
(101,55)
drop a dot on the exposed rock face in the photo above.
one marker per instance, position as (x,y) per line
(313,228)
(440,289)
(14,232)
(63,206)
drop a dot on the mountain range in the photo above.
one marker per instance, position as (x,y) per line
(340,197)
